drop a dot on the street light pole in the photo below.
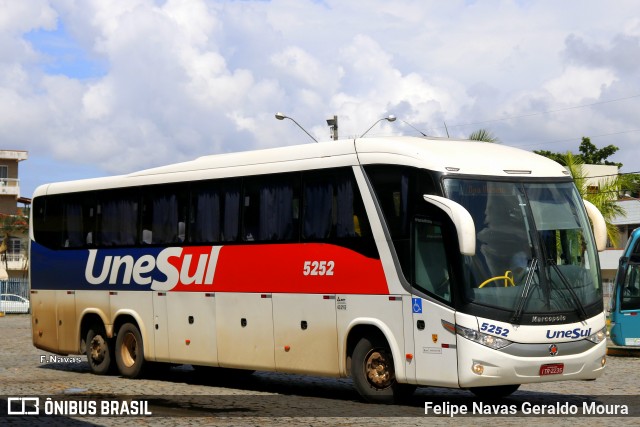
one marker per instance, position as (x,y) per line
(390,118)
(281,116)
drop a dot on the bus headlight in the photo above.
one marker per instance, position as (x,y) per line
(599,336)
(482,338)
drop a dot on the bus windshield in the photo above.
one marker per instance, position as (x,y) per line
(534,252)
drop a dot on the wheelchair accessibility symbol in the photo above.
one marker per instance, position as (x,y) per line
(417,305)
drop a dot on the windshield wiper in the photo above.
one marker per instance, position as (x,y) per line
(565,282)
(524,296)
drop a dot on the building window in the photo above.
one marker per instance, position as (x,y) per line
(592,189)
(4,174)
(14,249)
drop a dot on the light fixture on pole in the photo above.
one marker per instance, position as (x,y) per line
(333,125)
(389,118)
(281,116)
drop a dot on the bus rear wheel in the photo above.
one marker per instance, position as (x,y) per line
(373,372)
(99,351)
(129,351)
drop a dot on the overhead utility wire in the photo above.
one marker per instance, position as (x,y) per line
(574,139)
(546,112)
(611,174)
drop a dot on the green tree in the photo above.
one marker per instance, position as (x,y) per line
(589,154)
(632,185)
(557,157)
(592,155)
(11,226)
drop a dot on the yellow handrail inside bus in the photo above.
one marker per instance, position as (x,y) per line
(508,279)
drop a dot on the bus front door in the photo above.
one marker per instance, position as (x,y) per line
(626,320)
(435,345)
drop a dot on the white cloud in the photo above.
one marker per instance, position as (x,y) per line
(98,100)
(577,84)
(300,65)
(19,17)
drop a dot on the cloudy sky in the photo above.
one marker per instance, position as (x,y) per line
(93,87)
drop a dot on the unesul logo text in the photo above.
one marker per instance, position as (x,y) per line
(141,270)
(569,333)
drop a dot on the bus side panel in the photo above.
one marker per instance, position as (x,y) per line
(192,328)
(139,305)
(382,311)
(244,324)
(306,336)
(43,320)
(160,327)
(68,340)
(435,353)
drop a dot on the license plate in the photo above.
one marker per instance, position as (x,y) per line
(552,369)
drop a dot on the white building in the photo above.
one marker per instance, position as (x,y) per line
(626,224)
(13,251)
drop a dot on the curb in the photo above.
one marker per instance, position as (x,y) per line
(623,351)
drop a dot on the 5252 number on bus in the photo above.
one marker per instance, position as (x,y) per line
(493,329)
(318,268)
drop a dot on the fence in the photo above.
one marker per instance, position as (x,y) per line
(14,296)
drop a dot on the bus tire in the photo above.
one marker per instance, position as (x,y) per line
(373,372)
(494,392)
(99,350)
(129,351)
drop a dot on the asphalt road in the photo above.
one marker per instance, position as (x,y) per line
(183,396)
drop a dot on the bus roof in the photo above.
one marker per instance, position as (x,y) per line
(437,154)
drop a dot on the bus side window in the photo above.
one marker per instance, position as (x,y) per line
(430,265)
(78,223)
(47,220)
(317,207)
(332,206)
(399,191)
(204,221)
(345,215)
(271,208)
(214,212)
(117,218)
(231,213)
(630,298)
(163,215)
(73,224)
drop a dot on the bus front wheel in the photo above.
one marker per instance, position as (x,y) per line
(98,350)
(373,372)
(129,351)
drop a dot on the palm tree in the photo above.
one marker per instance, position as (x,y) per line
(10,226)
(484,135)
(604,199)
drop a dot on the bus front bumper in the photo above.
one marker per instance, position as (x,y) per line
(481,366)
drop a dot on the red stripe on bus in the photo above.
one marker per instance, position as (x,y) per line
(290,268)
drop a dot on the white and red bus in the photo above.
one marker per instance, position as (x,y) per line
(399,262)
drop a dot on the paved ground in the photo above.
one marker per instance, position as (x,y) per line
(181,396)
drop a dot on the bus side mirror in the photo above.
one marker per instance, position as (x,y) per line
(599,226)
(462,220)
